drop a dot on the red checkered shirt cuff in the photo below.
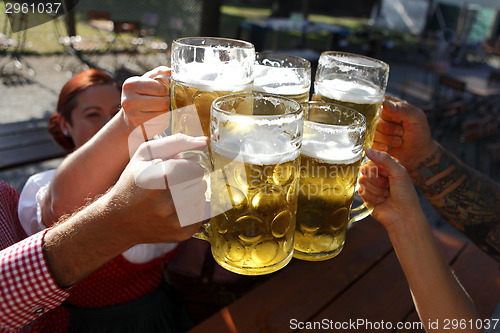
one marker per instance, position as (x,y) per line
(27,288)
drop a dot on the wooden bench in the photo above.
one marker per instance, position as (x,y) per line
(26,142)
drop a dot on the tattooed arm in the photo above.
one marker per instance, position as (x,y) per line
(465,198)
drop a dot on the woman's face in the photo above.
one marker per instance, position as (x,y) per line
(95,107)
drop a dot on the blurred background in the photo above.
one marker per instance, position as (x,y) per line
(444,57)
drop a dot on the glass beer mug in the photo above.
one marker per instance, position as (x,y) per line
(203,69)
(330,160)
(355,81)
(254,151)
(282,74)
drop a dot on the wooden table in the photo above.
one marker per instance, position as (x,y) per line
(364,285)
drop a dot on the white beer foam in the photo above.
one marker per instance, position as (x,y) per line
(281,81)
(228,77)
(261,146)
(332,147)
(348,91)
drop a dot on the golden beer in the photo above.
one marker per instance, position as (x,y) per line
(254,150)
(365,99)
(326,191)
(330,159)
(203,69)
(201,96)
(257,200)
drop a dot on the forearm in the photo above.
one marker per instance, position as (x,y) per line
(88,171)
(437,294)
(465,198)
(83,243)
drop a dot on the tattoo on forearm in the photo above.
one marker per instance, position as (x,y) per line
(464,197)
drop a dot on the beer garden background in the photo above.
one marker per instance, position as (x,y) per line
(45,49)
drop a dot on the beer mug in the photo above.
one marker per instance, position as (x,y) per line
(330,160)
(282,74)
(203,69)
(254,152)
(355,81)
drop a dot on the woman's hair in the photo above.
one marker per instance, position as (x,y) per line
(67,101)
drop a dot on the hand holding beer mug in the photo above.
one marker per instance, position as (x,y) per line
(355,81)
(203,69)
(254,147)
(330,160)
(282,74)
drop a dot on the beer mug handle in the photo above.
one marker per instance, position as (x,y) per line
(201,158)
(162,79)
(361,211)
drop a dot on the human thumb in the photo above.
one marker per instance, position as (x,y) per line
(386,161)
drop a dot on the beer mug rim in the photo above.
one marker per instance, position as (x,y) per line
(350,58)
(216,105)
(209,42)
(360,119)
(301,62)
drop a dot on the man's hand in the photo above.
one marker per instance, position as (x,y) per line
(143,198)
(404,133)
(138,209)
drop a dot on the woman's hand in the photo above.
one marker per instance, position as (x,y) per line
(386,185)
(146,97)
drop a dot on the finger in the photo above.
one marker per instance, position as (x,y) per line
(145,86)
(375,186)
(375,175)
(370,197)
(163,79)
(390,128)
(182,173)
(170,146)
(158,71)
(389,111)
(383,159)
(145,103)
(380,146)
(160,175)
(397,111)
(388,140)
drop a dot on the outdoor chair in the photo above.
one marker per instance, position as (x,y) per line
(451,106)
(418,94)
(489,105)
